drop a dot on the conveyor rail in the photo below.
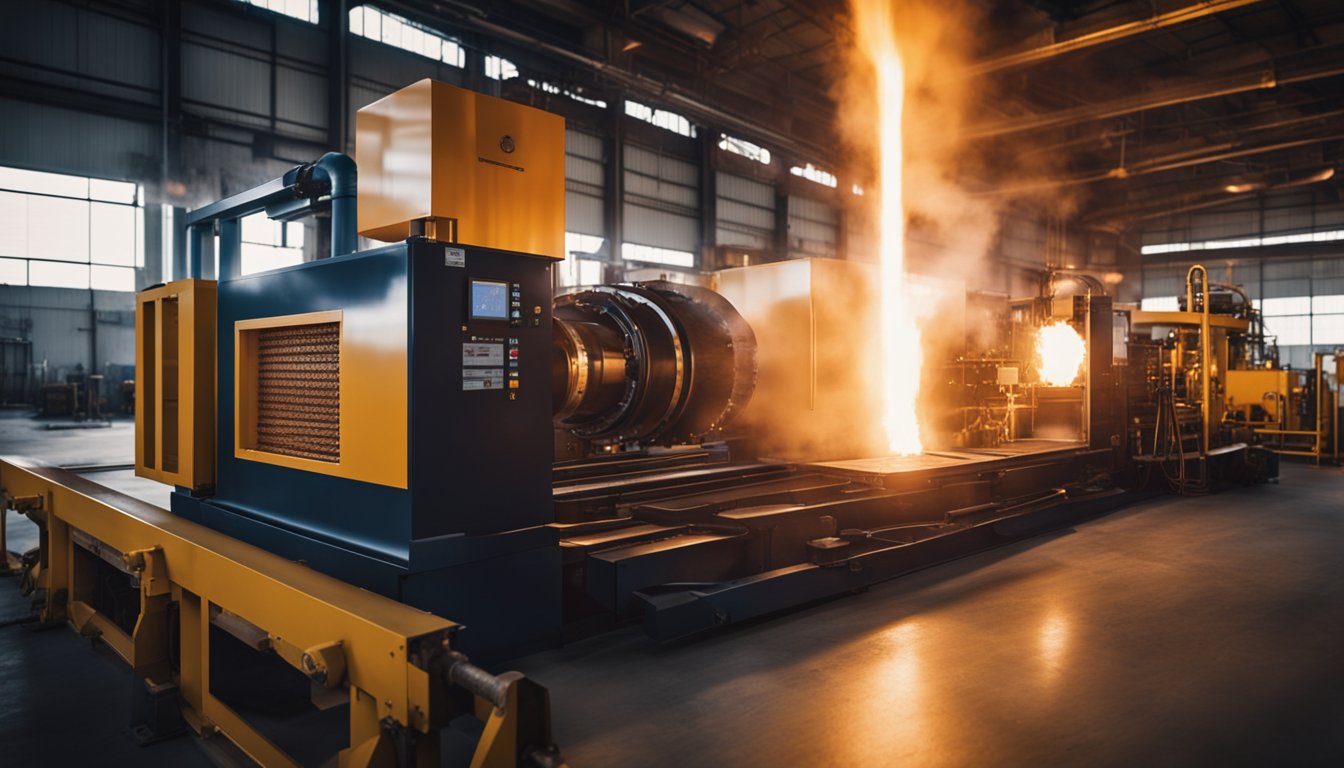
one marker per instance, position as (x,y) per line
(395,661)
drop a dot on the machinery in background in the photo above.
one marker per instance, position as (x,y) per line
(1206,379)
(57,400)
(1294,412)
(1041,367)
(16,363)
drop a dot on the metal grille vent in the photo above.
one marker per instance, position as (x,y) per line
(298,407)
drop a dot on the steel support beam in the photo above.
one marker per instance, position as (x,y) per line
(709,195)
(614,187)
(1113,34)
(337,16)
(1240,82)
(1193,158)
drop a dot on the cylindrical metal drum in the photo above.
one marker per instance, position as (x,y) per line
(649,363)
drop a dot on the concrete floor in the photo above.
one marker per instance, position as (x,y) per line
(64,700)
(1189,631)
(1184,631)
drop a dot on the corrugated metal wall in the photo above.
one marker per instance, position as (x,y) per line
(251,70)
(54,139)
(1276,213)
(585,183)
(814,228)
(97,51)
(746,212)
(662,200)
(57,321)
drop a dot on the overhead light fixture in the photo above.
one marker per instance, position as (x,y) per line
(1325,174)
(691,22)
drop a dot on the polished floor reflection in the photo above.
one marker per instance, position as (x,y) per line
(1182,632)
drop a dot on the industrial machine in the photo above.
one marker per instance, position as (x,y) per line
(424,421)
(1206,378)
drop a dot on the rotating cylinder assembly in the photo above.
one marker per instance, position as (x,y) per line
(650,363)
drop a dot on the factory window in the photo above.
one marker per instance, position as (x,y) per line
(1289,320)
(583,262)
(398,32)
(660,117)
(1328,329)
(744,148)
(1246,242)
(60,231)
(1160,304)
(585,245)
(270,244)
(575,94)
(303,10)
(654,255)
(815,174)
(499,68)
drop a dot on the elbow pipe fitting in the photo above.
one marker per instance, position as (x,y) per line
(337,175)
(342,175)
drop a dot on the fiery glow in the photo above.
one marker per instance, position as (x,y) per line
(1060,353)
(875,34)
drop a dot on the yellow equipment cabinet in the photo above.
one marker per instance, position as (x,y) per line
(175,383)
(476,170)
(1269,389)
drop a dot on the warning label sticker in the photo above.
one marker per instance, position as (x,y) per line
(483,378)
(454,257)
(483,354)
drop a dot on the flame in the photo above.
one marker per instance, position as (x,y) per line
(1060,352)
(875,36)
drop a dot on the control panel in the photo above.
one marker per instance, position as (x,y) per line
(492,353)
(479,378)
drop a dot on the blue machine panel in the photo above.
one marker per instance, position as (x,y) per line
(467,538)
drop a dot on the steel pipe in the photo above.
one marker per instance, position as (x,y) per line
(1113,34)
(1225,85)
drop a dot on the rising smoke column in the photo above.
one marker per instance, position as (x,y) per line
(902,356)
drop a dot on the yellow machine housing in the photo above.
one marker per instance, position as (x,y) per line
(476,170)
(175,383)
(1271,389)
(818,391)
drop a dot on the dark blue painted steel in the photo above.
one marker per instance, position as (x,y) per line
(467,539)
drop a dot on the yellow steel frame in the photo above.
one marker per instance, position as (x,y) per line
(1146,317)
(175,391)
(353,638)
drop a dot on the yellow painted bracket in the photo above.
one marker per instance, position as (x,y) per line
(394,661)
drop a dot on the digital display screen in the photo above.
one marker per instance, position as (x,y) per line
(489,300)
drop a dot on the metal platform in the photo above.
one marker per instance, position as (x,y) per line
(943,459)
(702,545)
